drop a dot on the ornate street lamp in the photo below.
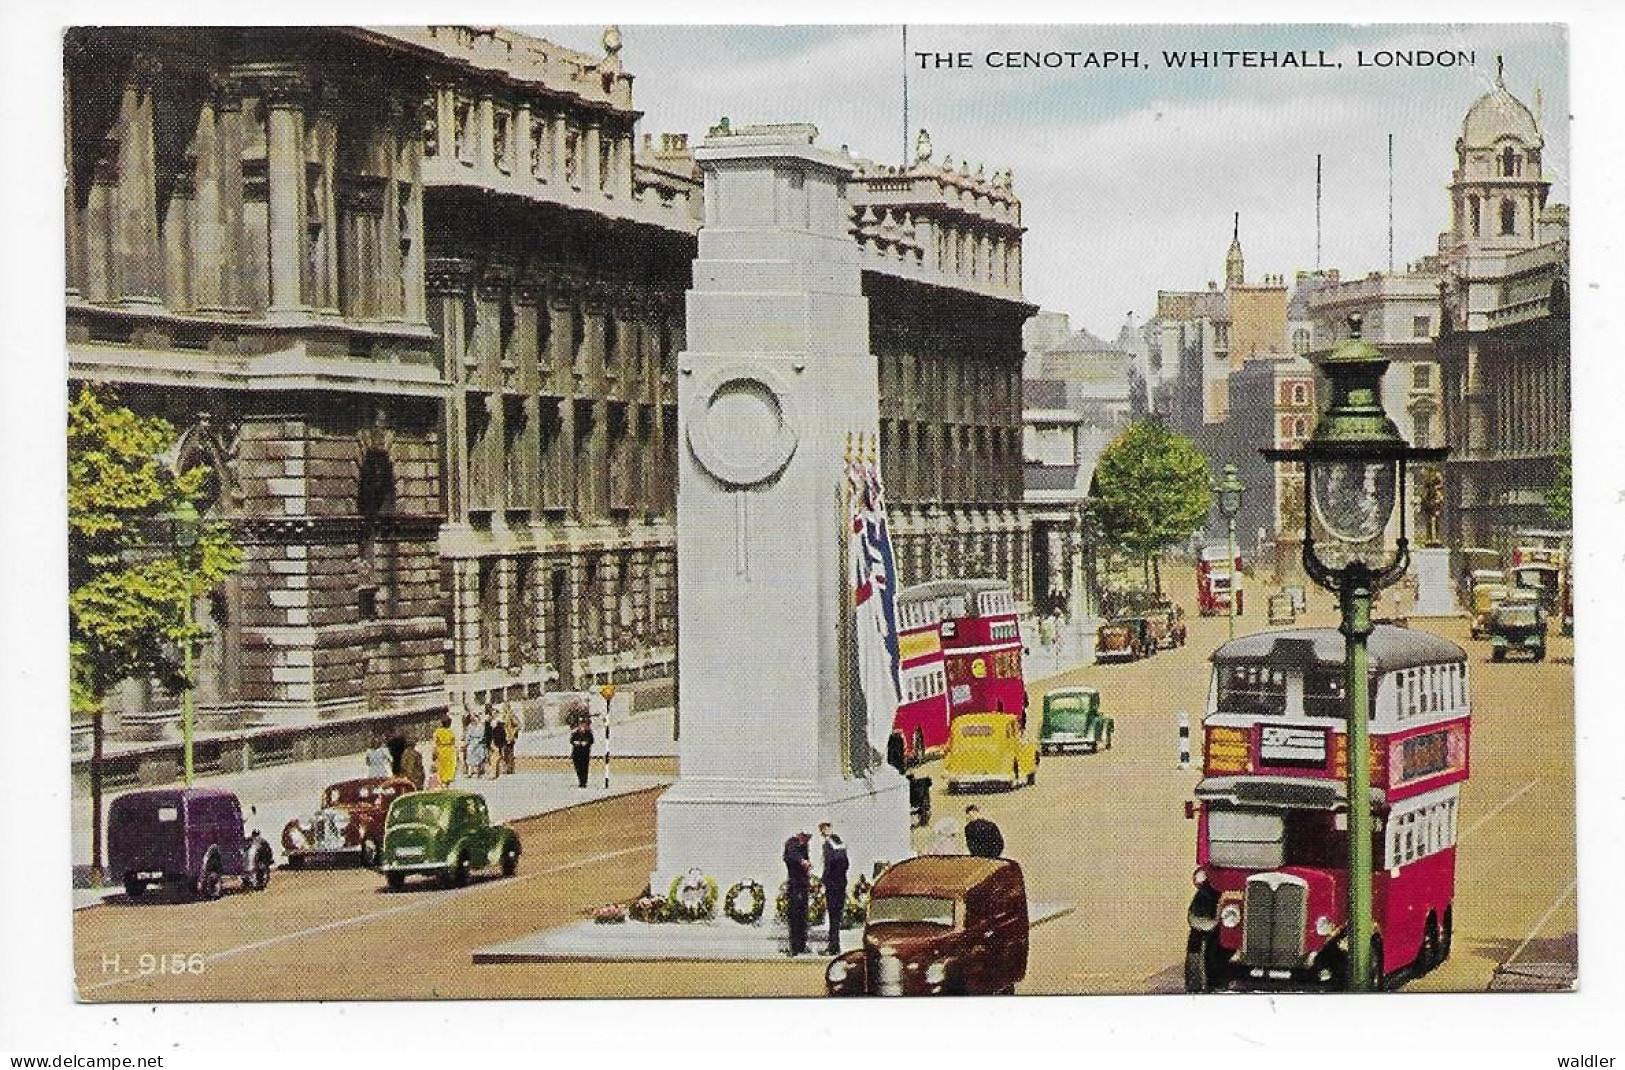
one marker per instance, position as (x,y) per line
(184,531)
(1229,491)
(1354,472)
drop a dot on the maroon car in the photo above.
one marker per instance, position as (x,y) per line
(190,839)
(948,925)
(349,823)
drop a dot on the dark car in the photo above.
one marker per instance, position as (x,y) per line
(939,925)
(189,839)
(1124,639)
(1518,627)
(444,834)
(350,822)
(1166,622)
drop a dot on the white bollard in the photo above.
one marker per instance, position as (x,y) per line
(1184,740)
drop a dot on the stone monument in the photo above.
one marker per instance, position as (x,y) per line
(776,376)
(1435,586)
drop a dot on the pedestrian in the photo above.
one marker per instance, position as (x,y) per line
(476,747)
(834,878)
(797,889)
(897,753)
(378,761)
(982,837)
(510,726)
(397,751)
(411,766)
(581,741)
(499,744)
(944,838)
(445,753)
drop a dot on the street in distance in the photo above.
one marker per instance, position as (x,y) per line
(1191,59)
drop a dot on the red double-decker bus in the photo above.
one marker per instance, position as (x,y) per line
(959,645)
(1271,902)
(922,711)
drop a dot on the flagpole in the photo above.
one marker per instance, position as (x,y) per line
(843,627)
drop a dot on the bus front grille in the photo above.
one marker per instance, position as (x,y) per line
(1273,914)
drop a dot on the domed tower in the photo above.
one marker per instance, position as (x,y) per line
(1497,192)
(1235,269)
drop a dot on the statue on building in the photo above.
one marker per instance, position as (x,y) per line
(922,147)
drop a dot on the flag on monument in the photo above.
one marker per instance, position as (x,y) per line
(874,583)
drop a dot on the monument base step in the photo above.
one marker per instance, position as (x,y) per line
(712,941)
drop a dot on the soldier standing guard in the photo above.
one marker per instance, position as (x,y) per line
(834,877)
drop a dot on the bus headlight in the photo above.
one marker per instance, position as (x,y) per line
(1199,878)
(936,973)
(1230,916)
(1324,926)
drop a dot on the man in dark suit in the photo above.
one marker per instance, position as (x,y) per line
(834,878)
(798,886)
(982,837)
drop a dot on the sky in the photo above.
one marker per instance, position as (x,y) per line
(1129,178)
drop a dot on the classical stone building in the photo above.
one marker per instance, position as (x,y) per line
(1503,337)
(416,294)
(245,257)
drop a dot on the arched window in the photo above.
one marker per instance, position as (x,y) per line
(1300,340)
(1509,161)
(1509,216)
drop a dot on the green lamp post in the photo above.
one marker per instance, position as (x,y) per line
(1229,490)
(1354,472)
(184,529)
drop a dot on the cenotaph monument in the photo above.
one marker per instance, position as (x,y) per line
(775,381)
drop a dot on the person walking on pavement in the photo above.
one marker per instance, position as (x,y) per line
(510,727)
(499,744)
(379,763)
(411,766)
(982,837)
(834,878)
(445,753)
(798,887)
(581,741)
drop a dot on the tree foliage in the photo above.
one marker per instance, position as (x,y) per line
(129,582)
(1560,499)
(1153,489)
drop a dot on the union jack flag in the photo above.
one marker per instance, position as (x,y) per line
(874,587)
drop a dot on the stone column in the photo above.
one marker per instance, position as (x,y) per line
(284,96)
(228,109)
(73,240)
(413,252)
(588,165)
(138,265)
(209,248)
(100,223)
(519,136)
(322,238)
(556,165)
(445,105)
(448,284)
(391,280)
(485,123)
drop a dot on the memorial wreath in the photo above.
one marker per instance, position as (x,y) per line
(817,905)
(693,896)
(745,902)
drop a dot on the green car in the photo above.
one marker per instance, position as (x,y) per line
(1518,627)
(1072,721)
(445,834)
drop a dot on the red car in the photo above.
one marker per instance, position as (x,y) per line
(350,821)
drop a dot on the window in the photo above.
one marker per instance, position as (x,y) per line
(1300,394)
(1509,217)
(1422,376)
(1246,839)
(1300,340)
(1509,161)
(501,142)
(1473,214)
(538,147)
(1253,689)
(1323,692)
(1421,326)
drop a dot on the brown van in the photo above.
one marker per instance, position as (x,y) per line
(939,925)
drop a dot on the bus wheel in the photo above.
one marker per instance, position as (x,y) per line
(1204,964)
(1428,957)
(1375,965)
(1444,937)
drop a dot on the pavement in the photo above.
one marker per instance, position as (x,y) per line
(272,796)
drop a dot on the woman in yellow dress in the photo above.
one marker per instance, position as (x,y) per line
(445,753)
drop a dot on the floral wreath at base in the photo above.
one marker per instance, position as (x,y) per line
(753,894)
(856,910)
(817,905)
(693,896)
(650,908)
(610,914)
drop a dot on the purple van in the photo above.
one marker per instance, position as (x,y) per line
(188,838)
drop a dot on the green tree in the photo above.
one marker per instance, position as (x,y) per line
(1153,489)
(130,584)
(1560,499)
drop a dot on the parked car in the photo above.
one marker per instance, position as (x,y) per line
(1518,627)
(1165,622)
(939,925)
(190,839)
(1072,721)
(1282,610)
(350,822)
(1124,639)
(445,834)
(989,748)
